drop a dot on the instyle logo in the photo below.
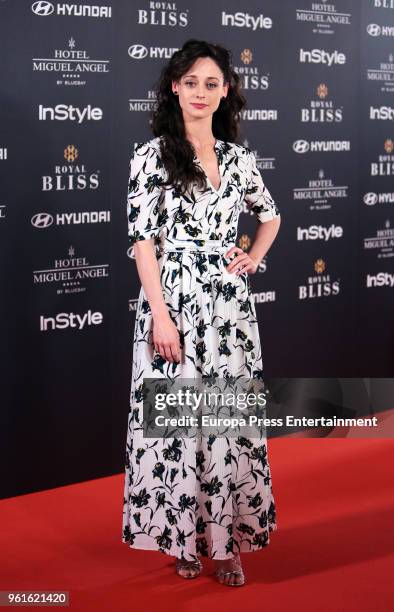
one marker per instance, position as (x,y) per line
(66,320)
(319,232)
(381,279)
(44,9)
(320,56)
(244,20)
(382,113)
(64,112)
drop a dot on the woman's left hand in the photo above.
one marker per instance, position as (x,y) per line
(241,263)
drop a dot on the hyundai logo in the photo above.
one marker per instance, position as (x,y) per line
(42,8)
(137,51)
(374,29)
(42,220)
(301,146)
(370,198)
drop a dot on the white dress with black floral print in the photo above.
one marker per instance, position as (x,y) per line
(211,496)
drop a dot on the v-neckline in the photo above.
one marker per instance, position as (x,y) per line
(216,147)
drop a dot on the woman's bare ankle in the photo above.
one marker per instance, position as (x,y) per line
(229,571)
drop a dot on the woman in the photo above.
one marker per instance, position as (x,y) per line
(195,318)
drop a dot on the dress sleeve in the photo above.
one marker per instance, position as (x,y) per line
(257,197)
(144,194)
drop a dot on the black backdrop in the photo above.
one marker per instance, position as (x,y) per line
(77,84)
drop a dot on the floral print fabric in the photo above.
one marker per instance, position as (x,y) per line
(209,496)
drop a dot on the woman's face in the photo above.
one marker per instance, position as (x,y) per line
(200,89)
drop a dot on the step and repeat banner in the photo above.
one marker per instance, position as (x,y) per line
(77,88)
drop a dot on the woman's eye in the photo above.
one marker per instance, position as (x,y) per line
(210,85)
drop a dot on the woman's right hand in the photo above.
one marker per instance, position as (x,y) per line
(166,339)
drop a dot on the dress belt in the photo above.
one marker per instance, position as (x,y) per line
(207,246)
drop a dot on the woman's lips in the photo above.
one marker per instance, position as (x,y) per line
(199,105)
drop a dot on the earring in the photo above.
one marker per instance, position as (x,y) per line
(175,92)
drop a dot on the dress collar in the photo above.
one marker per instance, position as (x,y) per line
(220,149)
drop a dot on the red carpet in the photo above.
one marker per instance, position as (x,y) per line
(334,548)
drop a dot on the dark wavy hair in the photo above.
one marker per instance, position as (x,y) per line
(167,120)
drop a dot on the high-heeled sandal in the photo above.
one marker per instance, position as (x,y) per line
(182,564)
(220,573)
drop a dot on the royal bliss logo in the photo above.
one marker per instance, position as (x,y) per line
(385,164)
(322,109)
(320,284)
(250,75)
(164,14)
(71,175)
